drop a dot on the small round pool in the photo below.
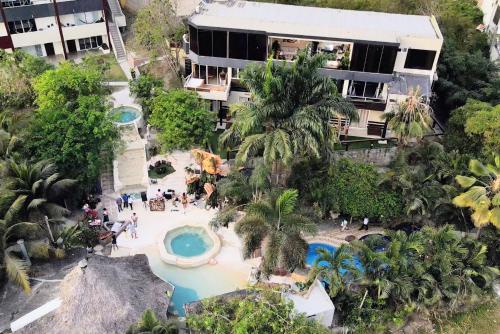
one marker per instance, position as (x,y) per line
(188,242)
(125,115)
(189,246)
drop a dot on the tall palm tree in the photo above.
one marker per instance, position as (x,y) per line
(289,112)
(275,225)
(36,188)
(15,267)
(336,268)
(410,118)
(482,193)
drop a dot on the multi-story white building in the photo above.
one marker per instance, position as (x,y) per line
(375,58)
(60,27)
(491,20)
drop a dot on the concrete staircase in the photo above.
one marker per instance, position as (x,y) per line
(107,185)
(117,42)
(116,11)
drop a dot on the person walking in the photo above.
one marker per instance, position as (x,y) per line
(343,225)
(133,230)
(184,201)
(113,242)
(119,202)
(130,200)
(125,200)
(364,226)
(134,218)
(144,198)
(105,215)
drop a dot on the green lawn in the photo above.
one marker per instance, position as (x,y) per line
(485,319)
(115,72)
(362,145)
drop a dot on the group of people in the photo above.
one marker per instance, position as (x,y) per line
(160,195)
(364,225)
(125,201)
(131,228)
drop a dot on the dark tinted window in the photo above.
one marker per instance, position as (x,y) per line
(205,42)
(257,47)
(358,57)
(370,89)
(237,45)
(388,59)
(193,39)
(420,59)
(373,58)
(340,86)
(220,43)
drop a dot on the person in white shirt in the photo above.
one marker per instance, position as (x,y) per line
(365,224)
(343,225)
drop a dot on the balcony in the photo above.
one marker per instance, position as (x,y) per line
(210,90)
(84,30)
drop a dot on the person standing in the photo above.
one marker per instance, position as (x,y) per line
(113,242)
(125,200)
(134,218)
(105,215)
(119,202)
(365,224)
(144,198)
(133,231)
(130,202)
(184,201)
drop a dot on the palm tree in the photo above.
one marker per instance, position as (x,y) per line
(36,189)
(410,118)
(336,268)
(150,324)
(482,193)
(15,267)
(276,225)
(289,113)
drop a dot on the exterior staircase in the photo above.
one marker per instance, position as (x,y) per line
(117,42)
(116,13)
(107,186)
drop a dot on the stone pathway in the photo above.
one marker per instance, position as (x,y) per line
(332,233)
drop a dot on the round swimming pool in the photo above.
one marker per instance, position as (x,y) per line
(125,115)
(188,241)
(189,246)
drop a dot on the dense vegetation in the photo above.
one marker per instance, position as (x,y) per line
(260,311)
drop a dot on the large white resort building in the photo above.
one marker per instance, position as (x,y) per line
(61,28)
(375,58)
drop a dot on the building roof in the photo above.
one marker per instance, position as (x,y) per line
(328,23)
(315,301)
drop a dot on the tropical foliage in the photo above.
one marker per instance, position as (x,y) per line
(410,118)
(260,311)
(482,193)
(275,224)
(150,324)
(289,114)
(434,271)
(71,101)
(183,119)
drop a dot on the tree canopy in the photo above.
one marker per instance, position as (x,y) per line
(71,125)
(182,118)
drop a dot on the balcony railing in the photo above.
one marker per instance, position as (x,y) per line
(208,91)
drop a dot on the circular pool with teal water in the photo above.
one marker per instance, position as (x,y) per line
(125,115)
(189,246)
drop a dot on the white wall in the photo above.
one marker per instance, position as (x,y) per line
(83,31)
(46,23)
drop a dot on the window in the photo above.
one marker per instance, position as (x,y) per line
(22,26)
(373,58)
(420,59)
(237,45)
(365,90)
(90,42)
(16,3)
(257,49)
(193,39)
(220,43)
(205,42)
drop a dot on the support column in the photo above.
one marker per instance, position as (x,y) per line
(56,11)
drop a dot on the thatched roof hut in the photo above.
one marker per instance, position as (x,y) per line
(105,297)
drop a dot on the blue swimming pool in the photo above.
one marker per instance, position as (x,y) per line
(188,241)
(312,254)
(125,114)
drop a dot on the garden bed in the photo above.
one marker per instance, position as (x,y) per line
(160,169)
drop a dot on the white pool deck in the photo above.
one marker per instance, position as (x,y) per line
(152,226)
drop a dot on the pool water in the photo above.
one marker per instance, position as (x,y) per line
(193,284)
(188,241)
(124,114)
(312,255)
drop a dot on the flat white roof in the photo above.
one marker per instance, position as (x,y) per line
(315,301)
(318,22)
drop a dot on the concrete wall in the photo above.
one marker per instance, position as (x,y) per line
(133,5)
(379,156)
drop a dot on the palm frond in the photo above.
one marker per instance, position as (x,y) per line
(17,271)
